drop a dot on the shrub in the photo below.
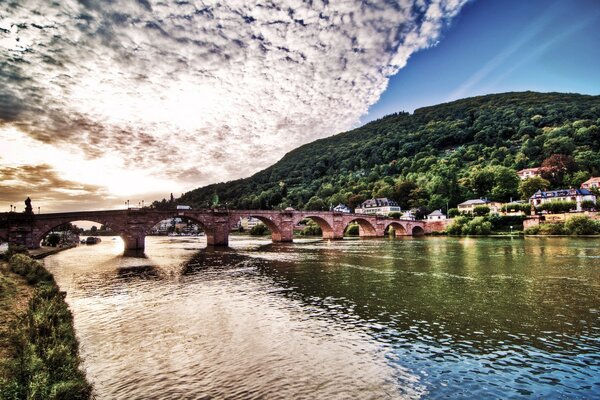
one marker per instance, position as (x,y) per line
(453,212)
(455,228)
(29,268)
(588,205)
(477,226)
(481,210)
(12,250)
(395,214)
(557,206)
(259,230)
(552,229)
(352,230)
(532,230)
(582,225)
(45,361)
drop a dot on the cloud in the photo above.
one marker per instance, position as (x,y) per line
(41,183)
(202,91)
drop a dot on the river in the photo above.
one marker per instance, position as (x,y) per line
(431,317)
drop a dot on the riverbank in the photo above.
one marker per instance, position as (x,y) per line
(39,356)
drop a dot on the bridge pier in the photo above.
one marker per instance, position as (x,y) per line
(285,233)
(135,241)
(218,235)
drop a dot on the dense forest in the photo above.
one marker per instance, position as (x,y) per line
(436,157)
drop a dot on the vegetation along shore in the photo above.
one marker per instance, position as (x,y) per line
(39,356)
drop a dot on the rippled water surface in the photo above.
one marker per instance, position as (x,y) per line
(405,318)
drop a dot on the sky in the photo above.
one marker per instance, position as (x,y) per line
(107,101)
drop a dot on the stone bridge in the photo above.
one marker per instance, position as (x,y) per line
(134,224)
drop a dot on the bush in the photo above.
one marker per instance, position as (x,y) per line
(552,229)
(477,226)
(312,230)
(455,228)
(588,205)
(504,222)
(481,210)
(532,230)
(12,250)
(259,230)
(29,268)
(45,361)
(395,214)
(352,230)
(582,225)
(557,206)
(453,212)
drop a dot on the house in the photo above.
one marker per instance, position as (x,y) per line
(183,207)
(249,222)
(576,195)
(380,206)
(409,215)
(437,215)
(529,173)
(468,206)
(593,182)
(342,208)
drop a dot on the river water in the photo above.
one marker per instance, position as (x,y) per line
(431,317)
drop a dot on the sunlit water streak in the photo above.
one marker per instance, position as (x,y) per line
(433,317)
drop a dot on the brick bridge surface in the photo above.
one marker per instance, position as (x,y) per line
(134,224)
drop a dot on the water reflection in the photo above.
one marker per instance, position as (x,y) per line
(444,317)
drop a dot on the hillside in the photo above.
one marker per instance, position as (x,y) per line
(444,153)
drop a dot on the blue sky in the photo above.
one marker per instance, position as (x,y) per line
(496,46)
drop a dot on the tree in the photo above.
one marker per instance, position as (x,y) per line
(555,167)
(528,187)
(506,183)
(481,181)
(315,204)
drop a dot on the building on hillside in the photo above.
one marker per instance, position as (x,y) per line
(380,206)
(593,182)
(437,215)
(249,222)
(529,173)
(342,208)
(468,206)
(409,215)
(576,195)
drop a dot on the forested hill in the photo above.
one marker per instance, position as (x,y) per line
(450,152)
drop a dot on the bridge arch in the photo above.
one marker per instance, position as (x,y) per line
(154,222)
(399,229)
(326,228)
(366,228)
(276,234)
(44,229)
(417,231)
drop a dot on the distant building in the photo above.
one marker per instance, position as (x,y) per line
(593,182)
(529,173)
(249,222)
(409,215)
(468,206)
(183,207)
(380,206)
(437,215)
(342,208)
(576,195)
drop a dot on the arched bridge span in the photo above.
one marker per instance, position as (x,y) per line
(134,224)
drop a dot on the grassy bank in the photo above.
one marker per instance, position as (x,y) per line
(41,361)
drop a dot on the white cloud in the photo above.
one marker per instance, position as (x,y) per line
(219,90)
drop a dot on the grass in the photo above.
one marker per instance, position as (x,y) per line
(43,360)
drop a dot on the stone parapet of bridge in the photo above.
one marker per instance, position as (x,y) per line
(133,225)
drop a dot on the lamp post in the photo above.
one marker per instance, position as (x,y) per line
(11,207)
(142,203)
(38,209)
